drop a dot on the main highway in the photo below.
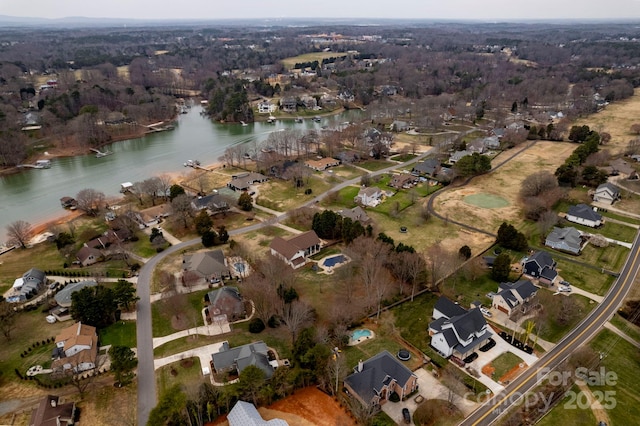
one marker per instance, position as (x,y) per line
(489,412)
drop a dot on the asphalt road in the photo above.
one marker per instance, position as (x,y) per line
(585,331)
(146,375)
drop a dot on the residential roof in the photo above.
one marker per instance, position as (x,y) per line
(212,201)
(322,163)
(369,191)
(608,187)
(524,288)
(428,166)
(63,297)
(75,330)
(375,374)
(242,356)
(226,300)
(34,274)
(50,411)
(542,258)
(85,252)
(468,323)
(246,414)
(448,308)
(569,236)
(356,214)
(585,212)
(288,248)
(548,273)
(206,264)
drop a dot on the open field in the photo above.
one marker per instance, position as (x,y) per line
(616,119)
(505,183)
(290,62)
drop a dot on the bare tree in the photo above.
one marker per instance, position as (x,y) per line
(183,209)
(90,201)
(296,316)
(164,185)
(19,233)
(7,319)
(537,184)
(263,295)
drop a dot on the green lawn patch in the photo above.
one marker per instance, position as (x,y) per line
(374,165)
(43,256)
(412,321)
(588,279)
(184,344)
(161,321)
(403,157)
(560,415)
(626,327)
(504,363)
(121,333)
(623,359)
(186,372)
(369,348)
(554,327)
(284,196)
(486,201)
(619,217)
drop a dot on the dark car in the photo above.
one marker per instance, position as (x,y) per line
(470,358)
(406,416)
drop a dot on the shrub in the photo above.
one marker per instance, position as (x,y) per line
(256,326)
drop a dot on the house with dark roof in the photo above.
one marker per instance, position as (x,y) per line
(63,297)
(30,283)
(374,380)
(295,251)
(460,334)
(429,167)
(225,301)
(369,196)
(206,264)
(607,193)
(237,359)
(243,181)
(356,214)
(512,297)
(565,239)
(246,414)
(456,156)
(445,308)
(88,256)
(540,266)
(76,348)
(213,203)
(619,167)
(52,412)
(403,180)
(583,214)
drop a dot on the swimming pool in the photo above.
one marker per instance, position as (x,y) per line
(360,333)
(239,267)
(334,260)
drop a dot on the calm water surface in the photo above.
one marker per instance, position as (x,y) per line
(33,195)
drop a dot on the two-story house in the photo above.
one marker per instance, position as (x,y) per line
(540,266)
(512,297)
(460,334)
(295,251)
(76,348)
(370,196)
(374,380)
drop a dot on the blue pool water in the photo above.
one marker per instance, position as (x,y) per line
(334,260)
(361,332)
(239,267)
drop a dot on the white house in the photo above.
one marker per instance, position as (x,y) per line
(584,215)
(76,348)
(459,335)
(369,196)
(606,193)
(266,107)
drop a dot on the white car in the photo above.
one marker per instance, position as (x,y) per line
(486,312)
(564,289)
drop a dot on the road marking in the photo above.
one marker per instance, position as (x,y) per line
(567,344)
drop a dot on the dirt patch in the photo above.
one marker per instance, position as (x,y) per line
(513,373)
(180,322)
(306,407)
(488,370)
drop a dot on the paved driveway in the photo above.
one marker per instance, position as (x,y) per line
(430,388)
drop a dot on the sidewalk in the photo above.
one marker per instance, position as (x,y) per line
(203,353)
(205,330)
(622,334)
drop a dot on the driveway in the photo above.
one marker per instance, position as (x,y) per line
(203,353)
(430,388)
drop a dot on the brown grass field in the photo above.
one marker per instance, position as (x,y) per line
(616,119)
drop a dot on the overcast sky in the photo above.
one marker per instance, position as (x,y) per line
(422,9)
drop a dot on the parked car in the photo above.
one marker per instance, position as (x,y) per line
(406,415)
(486,312)
(471,358)
(491,294)
(563,282)
(564,289)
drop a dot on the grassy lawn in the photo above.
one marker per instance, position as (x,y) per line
(290,62)
(121,333)
(347,172)
(369,348)
(503,364)
(554,329)
(189,308)
(626,327)
(403,157)
(161,322)
(283,196)
(412,321)
(143,246)
(611,257)
(374,165)
(465,291)
(623,359)
(619,217)
(187,373)
(587,279)
(186,343)
(559,415)
(13,264)
(342,199)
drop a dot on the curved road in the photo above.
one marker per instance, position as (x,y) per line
(585,331)
(146,375)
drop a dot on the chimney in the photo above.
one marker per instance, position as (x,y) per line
(53,402)
(359,366)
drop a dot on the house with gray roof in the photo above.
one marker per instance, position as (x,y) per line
(540,266)
(213,203)
(429,167)
(295,251)
(246,414)
(31,282)
(224,301)
(456,156)
(238,358)
(606,193)
(460,334)
(512,297)
(208,264)
(444,307)
(356,214)
(565,239)
(374,380)
(63,297)
(369,196)
(243,181)
(583,214)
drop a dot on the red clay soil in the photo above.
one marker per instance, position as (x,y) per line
(513,373)
(306,407)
